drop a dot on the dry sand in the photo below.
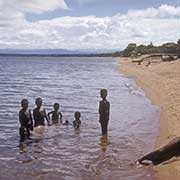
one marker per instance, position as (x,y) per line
(161,83)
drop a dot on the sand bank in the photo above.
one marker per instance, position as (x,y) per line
(161,83)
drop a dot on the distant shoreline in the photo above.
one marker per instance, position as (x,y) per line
(61,55)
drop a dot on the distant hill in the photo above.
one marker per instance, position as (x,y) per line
(53,51)
(132,49)
(39,51)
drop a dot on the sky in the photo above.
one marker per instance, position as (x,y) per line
(87,24)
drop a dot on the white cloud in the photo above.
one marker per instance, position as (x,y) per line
(164,11)
(14,9)
(141,26)
(39,6)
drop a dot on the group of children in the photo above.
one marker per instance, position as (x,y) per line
(39,115)
(29,121)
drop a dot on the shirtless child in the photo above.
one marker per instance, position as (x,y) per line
(25,119)
(67,123)
(104,109)
(56,114)
(77,121)
(39,114)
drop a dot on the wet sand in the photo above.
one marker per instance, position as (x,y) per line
(161,83)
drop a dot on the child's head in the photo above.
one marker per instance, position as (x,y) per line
(24,103)
(56,106)
(103,93)
(39,102)
(77,115)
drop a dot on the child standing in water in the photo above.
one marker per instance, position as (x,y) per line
(25,119)
(77,121)
(39,114)
(56,114)
(104,109)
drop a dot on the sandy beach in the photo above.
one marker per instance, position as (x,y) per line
(161,83)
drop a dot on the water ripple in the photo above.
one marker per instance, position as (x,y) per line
(60,152)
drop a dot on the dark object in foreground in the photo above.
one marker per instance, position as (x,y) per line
(163,154)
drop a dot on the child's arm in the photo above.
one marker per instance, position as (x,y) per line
(60,114)
(46,117)
(34,115)
(73,123)
(21,119)
(49,114)
(108,109)
(99,110)
(31,120)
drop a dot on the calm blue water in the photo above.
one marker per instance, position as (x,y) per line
(61,152)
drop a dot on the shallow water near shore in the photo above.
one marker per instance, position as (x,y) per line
(60,152)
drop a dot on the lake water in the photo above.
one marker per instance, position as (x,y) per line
(61,152)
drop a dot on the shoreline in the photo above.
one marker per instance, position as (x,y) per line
(160,82)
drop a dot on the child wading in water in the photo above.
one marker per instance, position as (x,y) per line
(77,121)
(67,123)
(56,114)
(39,114)
(25,119)
(104,109)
